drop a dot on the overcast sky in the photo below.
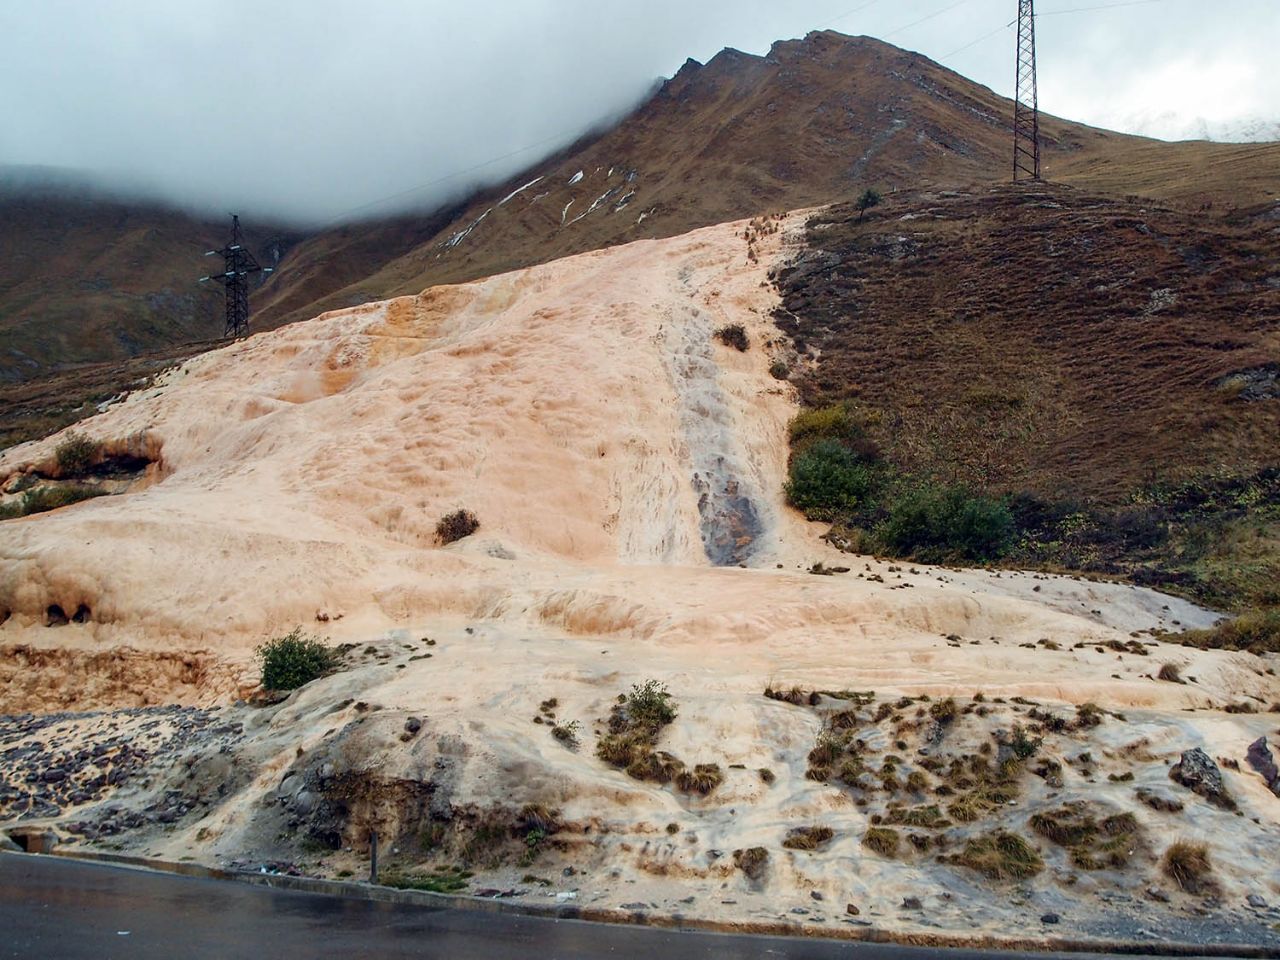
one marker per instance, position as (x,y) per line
(316,109)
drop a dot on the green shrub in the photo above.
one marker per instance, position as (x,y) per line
(649,705)
(779,370)
(870,198)
(828,479)
(934,523)
(76,454)
(294,659)
(567,733)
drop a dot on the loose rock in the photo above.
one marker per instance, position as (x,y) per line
(1197,772)
(1260,758)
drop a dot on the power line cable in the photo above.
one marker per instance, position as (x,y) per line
(1101,6)
(974,43)
(916,23)
(848,13)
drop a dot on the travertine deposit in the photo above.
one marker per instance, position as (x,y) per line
(626,469)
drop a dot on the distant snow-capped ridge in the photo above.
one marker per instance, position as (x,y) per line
(1252,129)
(1171,126)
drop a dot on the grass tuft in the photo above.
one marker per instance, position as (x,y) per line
(1000,856)
(1188,865)
(807,838)
(882,840)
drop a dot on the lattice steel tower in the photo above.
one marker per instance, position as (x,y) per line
(1026,100)
(239,263)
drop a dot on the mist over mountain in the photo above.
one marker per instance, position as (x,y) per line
(318,112)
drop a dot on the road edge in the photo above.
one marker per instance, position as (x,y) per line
(359,890)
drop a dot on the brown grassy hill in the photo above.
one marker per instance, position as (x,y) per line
(1054,337)
(87,277)
(1113,361)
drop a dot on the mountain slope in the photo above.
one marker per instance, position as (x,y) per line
(91,277)
(1110,363)
(814,121)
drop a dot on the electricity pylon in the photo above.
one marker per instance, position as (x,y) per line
(239,263)
(1026,99)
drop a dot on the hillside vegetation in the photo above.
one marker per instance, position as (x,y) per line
(1106,368)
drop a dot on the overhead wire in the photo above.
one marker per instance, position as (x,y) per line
(848,13)
(1101,6)
(916,23)
(974,43)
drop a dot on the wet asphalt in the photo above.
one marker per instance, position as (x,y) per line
(54,909)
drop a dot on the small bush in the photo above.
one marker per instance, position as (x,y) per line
(1024,747)
(1066,827)
(870,198)
(1171,672)
(538,818)
(882,840)
(76,454)
(1188,865)
(734,335)
(928,817)
(1000,856)
(454,526)
(290,661)
(828,479)
(779,370)
(634,725)
(649,705)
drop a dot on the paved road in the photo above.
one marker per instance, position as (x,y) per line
(52,909)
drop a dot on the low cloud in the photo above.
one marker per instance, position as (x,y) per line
(319,110)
